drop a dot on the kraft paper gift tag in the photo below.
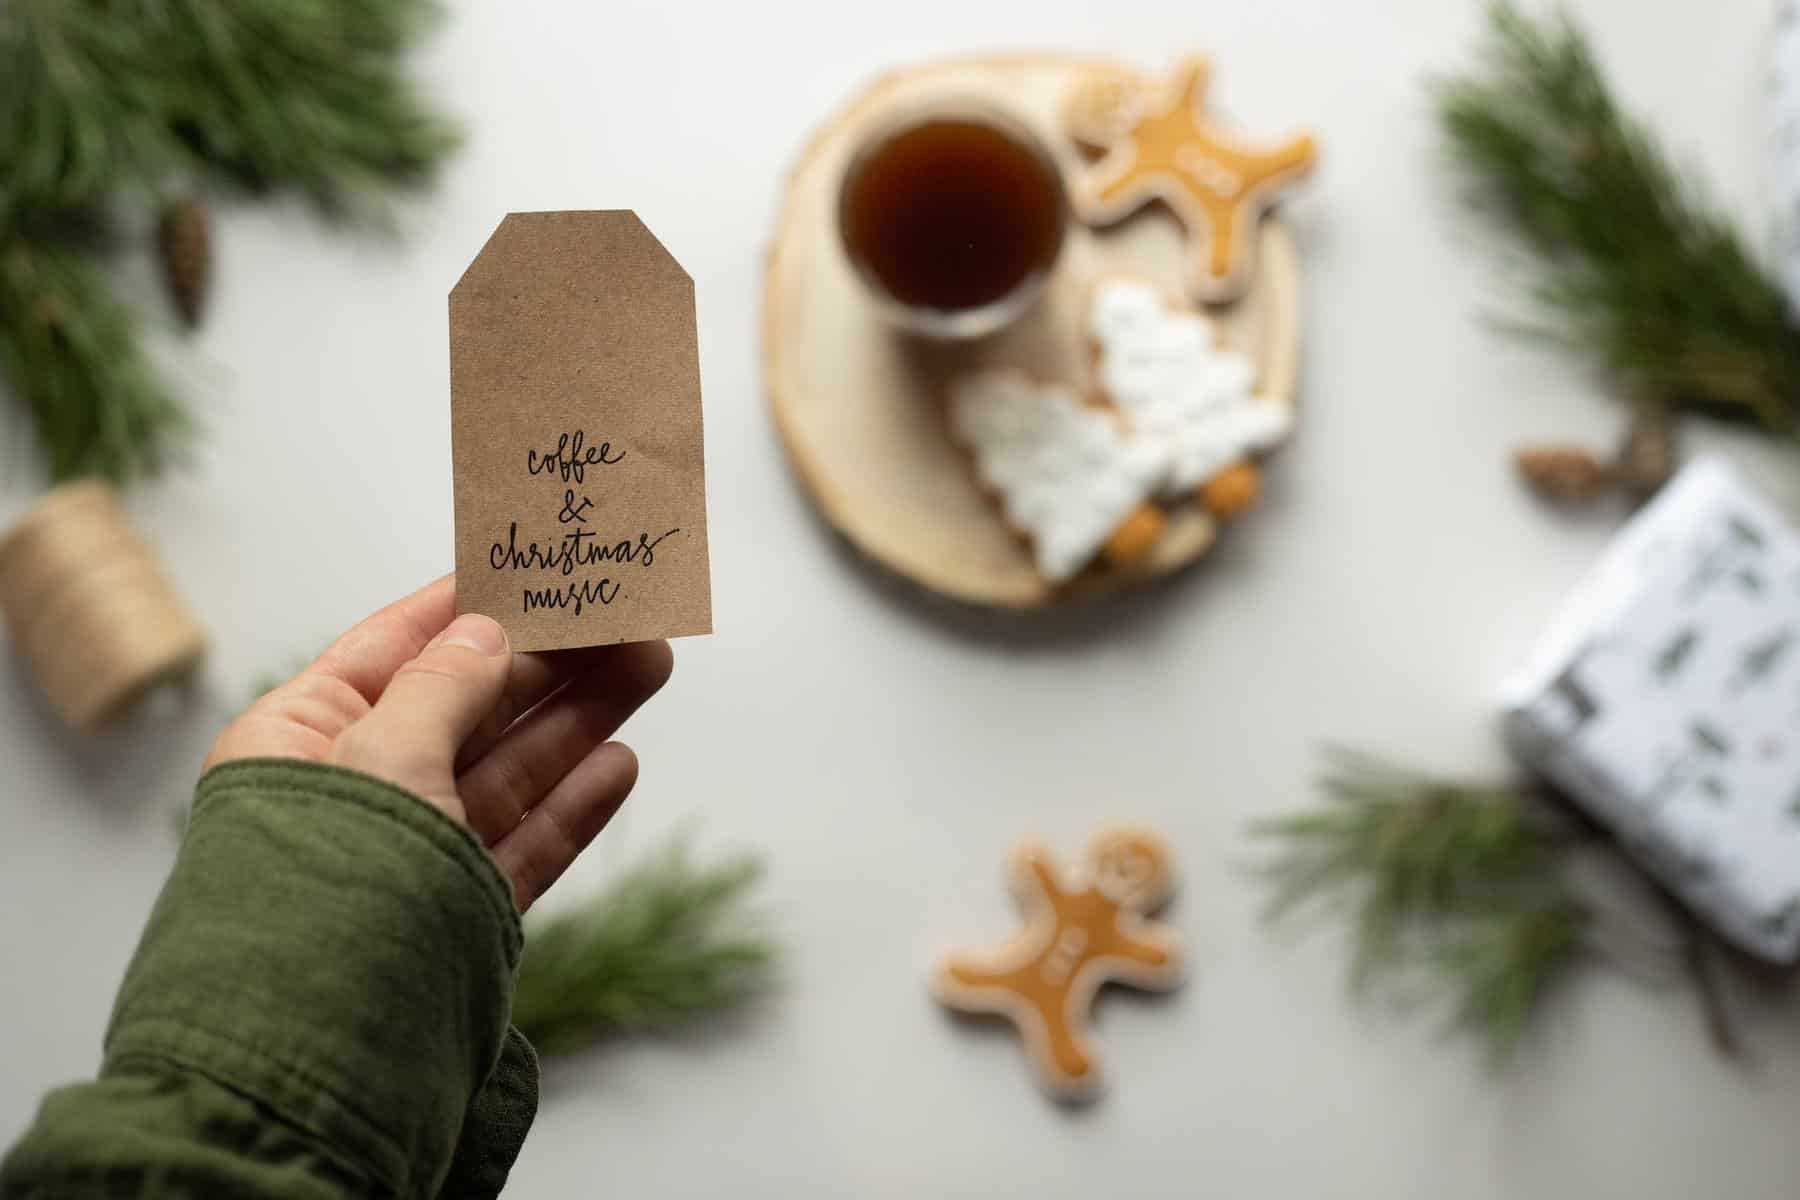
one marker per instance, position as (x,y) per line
(575,435)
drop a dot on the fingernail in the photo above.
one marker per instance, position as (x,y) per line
(478,633)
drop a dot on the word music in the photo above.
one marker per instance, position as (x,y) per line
(574,595)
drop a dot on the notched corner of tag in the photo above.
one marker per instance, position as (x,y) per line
(649,237)
(554,233)
(515,232)
(473,271)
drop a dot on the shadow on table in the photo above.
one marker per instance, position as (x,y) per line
(121,767)
(1135,611)
(988,1026)
(573,1070)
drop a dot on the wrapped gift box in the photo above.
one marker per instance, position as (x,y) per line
(1666,699)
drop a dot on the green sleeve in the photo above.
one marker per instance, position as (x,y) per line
(318,1007)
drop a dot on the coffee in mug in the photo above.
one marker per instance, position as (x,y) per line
(954,219)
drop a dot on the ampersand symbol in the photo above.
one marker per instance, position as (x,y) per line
(570,510)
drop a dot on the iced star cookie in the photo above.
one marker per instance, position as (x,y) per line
(1159,364)
(1159,144)
(1081,932)
(1067,474)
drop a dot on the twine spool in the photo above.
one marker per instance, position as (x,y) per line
(89,608)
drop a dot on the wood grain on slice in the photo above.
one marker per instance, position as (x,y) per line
(860,407)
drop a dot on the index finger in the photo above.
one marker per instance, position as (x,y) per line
(368,655)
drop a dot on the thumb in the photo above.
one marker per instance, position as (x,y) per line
(436,701)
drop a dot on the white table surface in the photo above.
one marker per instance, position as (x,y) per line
(882,757)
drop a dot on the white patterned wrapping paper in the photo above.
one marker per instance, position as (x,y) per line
(1666,699)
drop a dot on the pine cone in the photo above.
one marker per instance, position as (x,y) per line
(1565,474)
(49,311)
(184,238)
(1646,457)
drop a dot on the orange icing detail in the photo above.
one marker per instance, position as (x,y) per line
(1232,490)
(1132,540)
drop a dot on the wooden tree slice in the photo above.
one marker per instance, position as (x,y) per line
(860,407)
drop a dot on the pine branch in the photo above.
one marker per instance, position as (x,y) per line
(267,95)
(79,110)
(1468,887)
(106,105)
(665,942)
(263,95)
(1458,883)
(95,404)
(1625,257)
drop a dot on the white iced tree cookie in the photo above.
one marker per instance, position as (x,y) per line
(1067,474)
(1177,415)
(1159,365)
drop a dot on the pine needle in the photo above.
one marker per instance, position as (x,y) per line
(304,97)
(263,95)
(665,942)
(1502,963)
(74,121)
(1462,884)
(1625,257)
(95,404)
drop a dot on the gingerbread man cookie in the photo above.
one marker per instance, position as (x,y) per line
(1159,144)
(1079,935)
(1067,474)
(1159,364)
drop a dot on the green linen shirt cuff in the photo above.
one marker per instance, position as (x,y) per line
(337,950)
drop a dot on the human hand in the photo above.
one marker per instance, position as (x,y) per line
(515,746)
